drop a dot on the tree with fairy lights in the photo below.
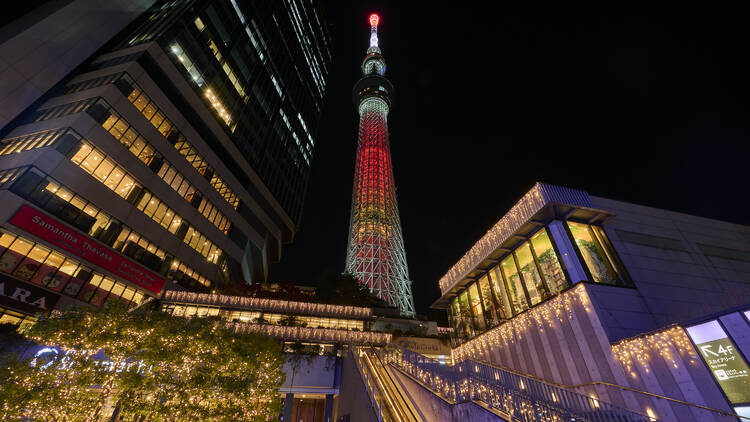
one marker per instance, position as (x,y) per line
(148,365)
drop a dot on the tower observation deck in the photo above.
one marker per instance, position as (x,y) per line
(376,254)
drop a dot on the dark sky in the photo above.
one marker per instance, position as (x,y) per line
(646,105)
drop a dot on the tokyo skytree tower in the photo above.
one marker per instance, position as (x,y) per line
(376,254)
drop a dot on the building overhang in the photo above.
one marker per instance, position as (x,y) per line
(540,205)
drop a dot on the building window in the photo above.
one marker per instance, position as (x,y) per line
(548,262)
(514,285)
(501,294)
(476,308)
(30,261)
(465,327)
(535,285)
(45,192)
(596,252)
(23,322)
(488,302)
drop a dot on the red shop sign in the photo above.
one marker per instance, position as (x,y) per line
(59,234)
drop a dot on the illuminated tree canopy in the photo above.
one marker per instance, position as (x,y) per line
(145,363)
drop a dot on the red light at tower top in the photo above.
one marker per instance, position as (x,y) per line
(374,19)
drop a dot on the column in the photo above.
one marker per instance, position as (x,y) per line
(288,404)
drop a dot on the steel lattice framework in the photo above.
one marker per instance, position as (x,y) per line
(376,255)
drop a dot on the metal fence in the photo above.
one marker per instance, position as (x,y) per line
(522,398)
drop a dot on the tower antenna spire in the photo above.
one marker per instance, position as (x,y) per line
(375,254)
(374,21)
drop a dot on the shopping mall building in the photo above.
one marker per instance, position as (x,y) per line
(621,301)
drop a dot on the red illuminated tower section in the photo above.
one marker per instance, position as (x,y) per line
(376,255)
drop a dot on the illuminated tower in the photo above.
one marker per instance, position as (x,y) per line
(376,254)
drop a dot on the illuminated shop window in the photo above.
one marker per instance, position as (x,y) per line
(548,262)
(466,328)
(33,262)
(501,293)
(514,284)
(9,316)
(488,302)
(85,216)
(530,274)
(476,307)
(533,282)
(596,252)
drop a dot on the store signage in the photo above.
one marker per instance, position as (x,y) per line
(25,297)
(423,345)
(59,234)
(724,361)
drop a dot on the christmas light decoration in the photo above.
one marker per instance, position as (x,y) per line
(642,349)
(187,370)
(376,254)
(537,198)
(259,304)
(546,315)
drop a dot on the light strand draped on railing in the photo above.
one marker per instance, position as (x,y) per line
(254,303)
(523,398)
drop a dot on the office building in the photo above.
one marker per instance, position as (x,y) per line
(176,157)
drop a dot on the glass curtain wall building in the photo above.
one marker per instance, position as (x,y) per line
(176,157)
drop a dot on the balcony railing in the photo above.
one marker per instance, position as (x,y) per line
(258,304)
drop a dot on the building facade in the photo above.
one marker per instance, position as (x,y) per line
(375,254)
(599,294)
(176,157)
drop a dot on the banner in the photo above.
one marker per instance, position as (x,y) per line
(24,297)
(723,360)
(84,247)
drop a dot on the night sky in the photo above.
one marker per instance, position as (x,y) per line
(642,105)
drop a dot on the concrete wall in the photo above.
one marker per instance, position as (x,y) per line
(45,51)
(672,260)
(353,400)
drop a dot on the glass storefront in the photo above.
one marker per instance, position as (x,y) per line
(595,253)
(9,316)
(530,274)
(550,266)
(25,259)
(266,317)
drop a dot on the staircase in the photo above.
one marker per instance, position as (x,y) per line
(508,395)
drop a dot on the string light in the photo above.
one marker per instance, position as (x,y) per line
(533,201)
(640,350)
(548,314)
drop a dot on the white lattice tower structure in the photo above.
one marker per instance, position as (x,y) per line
(376,254)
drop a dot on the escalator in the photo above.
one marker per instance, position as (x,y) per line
(390,403)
